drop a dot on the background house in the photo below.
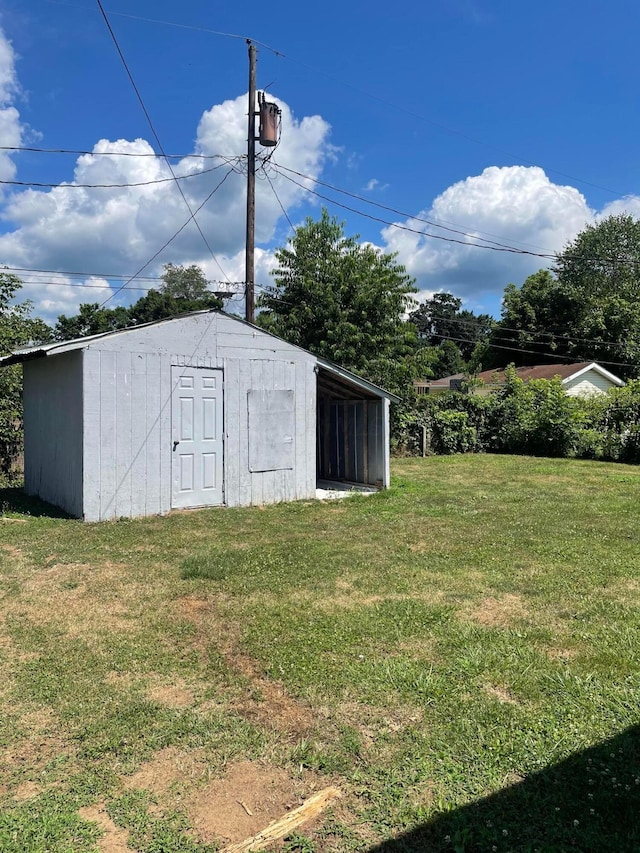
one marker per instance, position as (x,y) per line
(580,379)
(198,410)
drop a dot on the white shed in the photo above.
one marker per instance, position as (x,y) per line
(198,410)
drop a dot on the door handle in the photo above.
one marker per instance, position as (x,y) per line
(175,444)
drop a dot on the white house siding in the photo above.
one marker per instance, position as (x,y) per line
(53,430)
(587,384)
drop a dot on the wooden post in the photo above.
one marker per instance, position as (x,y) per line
(251,189)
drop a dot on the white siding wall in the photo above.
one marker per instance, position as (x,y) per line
(127,431)
(587,384)
(53,430)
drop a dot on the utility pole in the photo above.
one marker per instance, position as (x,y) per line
(251,189)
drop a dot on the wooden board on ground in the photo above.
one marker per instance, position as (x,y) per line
(285,825)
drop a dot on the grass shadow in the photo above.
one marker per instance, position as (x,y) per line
(14,500)
(589,802)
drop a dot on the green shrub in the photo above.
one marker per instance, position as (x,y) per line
(536,418)
(589,444)
(452,433)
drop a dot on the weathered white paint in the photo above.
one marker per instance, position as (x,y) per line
(113,436)
(383,453)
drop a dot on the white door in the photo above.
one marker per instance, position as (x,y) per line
(196,420)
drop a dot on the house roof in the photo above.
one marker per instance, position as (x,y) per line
(566,372)
(59,347)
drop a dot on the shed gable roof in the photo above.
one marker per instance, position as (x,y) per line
(60,347)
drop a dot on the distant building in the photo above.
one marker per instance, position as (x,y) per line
(581,379)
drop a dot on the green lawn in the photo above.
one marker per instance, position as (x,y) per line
(460,656)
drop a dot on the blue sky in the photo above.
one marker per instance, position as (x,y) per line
(514,123)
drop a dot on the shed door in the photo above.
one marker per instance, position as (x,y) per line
(196,420)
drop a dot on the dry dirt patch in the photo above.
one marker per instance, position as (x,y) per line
(249,797)
(373,722)
(11,550)
(265,702)
(26,791)
(561,654)
(502,694)
(85,599)
(624,590)
(499,612)
(171,773)
(42,743)
(114,839)
(171,696)
(239,804)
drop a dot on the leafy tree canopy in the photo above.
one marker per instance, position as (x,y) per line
(455,332)
(536,319)
(184,282)
(91,319)
(341,299)
(17,329)
(588,311)
(183,289)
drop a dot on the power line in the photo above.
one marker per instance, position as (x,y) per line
(282,208)
(484,245)
(227,159)
(569,358)
(75,186)
(157,138)
(172,238)
(442,127)
(269,290)
(76,151)
(413,217)
(80,284)
(498,327)
(199,29)
(81,274)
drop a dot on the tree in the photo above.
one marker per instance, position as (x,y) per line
(454,333)
(535,324)
(91,320)
(447,360)
(588,311)
(341,299)
(183,289)
(187,283)
(17,329)
(442,318)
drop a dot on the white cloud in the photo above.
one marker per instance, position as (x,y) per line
(116,230)
(629,204)
(54,294)
(11,130)
(515,205)
(374,184)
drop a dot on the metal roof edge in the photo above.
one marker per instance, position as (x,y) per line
(357,380)
(60,347)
